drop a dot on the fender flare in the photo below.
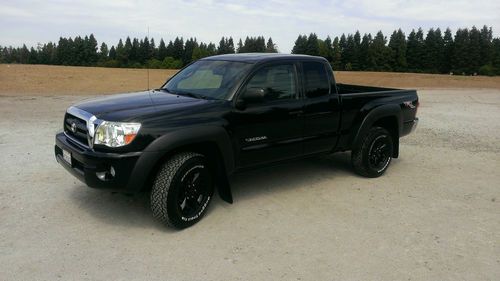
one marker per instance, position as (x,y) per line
(175,139)
(377,113)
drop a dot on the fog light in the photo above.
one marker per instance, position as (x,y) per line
(106,175)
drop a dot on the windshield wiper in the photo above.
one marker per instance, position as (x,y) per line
(186,94)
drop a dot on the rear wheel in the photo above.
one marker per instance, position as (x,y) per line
(182,190)
(373,156)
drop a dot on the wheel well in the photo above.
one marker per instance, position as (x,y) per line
(390,123)
(209,149)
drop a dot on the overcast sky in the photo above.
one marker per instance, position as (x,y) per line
(31,22)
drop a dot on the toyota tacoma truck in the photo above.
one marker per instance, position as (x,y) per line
(224,114)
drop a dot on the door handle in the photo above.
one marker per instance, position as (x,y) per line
(295,112)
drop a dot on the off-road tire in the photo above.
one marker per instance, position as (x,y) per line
(361,153)
(166,189)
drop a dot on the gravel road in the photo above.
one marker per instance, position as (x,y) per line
(435,215)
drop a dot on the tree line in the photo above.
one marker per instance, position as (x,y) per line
(133,53)
(468,52)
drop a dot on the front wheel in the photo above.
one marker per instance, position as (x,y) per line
(372,157)
(182,190)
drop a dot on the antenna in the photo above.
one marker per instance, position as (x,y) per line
(147,65)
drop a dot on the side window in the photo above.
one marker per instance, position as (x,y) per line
(277,80)
(316,80)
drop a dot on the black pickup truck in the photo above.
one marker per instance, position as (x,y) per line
(224,114)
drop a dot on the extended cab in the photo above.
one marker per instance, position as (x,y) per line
(222,114)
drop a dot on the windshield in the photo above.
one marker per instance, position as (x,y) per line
(208,79)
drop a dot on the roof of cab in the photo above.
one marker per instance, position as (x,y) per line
(261,57)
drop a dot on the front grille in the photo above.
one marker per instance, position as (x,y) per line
(80,134)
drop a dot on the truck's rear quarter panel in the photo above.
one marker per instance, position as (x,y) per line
(358,101)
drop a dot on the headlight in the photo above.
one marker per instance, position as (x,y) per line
(115,134)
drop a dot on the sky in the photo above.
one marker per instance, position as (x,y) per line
(34,22)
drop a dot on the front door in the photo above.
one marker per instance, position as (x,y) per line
(269,129)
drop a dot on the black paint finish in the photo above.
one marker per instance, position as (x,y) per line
(235,134)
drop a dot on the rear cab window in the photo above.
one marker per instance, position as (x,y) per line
(316,80)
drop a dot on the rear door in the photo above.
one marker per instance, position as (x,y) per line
(270,130)
(322,109)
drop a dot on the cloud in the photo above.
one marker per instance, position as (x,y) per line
(41,21)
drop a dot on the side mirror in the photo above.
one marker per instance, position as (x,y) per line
(251,95)
(254,95)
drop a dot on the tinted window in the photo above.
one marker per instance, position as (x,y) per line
(212,79)
(277,80)
(315,79)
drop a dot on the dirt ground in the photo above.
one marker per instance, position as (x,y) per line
(45,80)
(435,214)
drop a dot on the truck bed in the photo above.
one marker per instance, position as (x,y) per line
(343,89)
(357,101)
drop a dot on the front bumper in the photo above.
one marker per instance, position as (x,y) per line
(86,163)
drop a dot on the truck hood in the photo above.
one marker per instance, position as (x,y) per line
(135,104)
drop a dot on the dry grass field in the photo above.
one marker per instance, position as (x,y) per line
(46,80)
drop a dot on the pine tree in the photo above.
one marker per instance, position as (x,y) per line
(144,51)
(326,49)
(127,52)
(46,54)
(336,55)
(226,46)
(397,43)
(78,56)
(211,49)
(415,50)
(448,51)
(485,45)
(91,47)
(355,53)
(344,51)
(364,52)
(270,46)
(153,51)
(170,49)
(260,45)
(254,45)
(460,57)
(178,48)
(135,56)
(312,47)
(434,51)
(189,47)
(222,46)
(349,53)
(495,56)
(230,46)
(121,54)
(33,56)
(300,46)
(381,54)
(474,50)
(103,52)
(162,50)
(240,48)
(112,53)
(200,51)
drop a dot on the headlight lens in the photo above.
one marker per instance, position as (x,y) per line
(115,134)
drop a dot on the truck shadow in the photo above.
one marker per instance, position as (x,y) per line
(117,208)
(134,211)
(296,174)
